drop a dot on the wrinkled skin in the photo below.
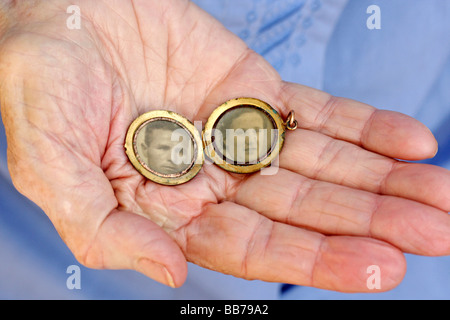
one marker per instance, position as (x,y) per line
(338,204)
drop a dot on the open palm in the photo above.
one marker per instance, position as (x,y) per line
(338,203)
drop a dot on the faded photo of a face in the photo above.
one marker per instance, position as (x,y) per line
(247,134)
(164,147)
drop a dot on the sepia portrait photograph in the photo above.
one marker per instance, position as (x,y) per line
(244,135)
(164,147)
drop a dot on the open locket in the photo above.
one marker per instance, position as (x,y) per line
(242,135)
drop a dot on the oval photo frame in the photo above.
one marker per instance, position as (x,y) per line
(248,150)
(164,147)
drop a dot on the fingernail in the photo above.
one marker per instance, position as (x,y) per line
(156,271)
(169,278)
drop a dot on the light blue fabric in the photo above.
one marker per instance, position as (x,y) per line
(404,66)
(291,34)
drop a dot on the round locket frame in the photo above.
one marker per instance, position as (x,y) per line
(131,148)
(230,165)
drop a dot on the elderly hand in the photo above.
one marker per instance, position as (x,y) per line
(340,202)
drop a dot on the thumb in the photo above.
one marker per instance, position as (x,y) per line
(80,202)
(99,234)
(128,241)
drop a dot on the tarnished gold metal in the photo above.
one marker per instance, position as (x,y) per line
(291,123)
(261,110)
(160,127)
(157,140)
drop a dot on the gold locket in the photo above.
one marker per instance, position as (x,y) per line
(242,135)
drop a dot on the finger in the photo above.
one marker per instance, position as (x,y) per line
(386,132)
(332,209)
(421,182)
(238,241)
(318,156)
